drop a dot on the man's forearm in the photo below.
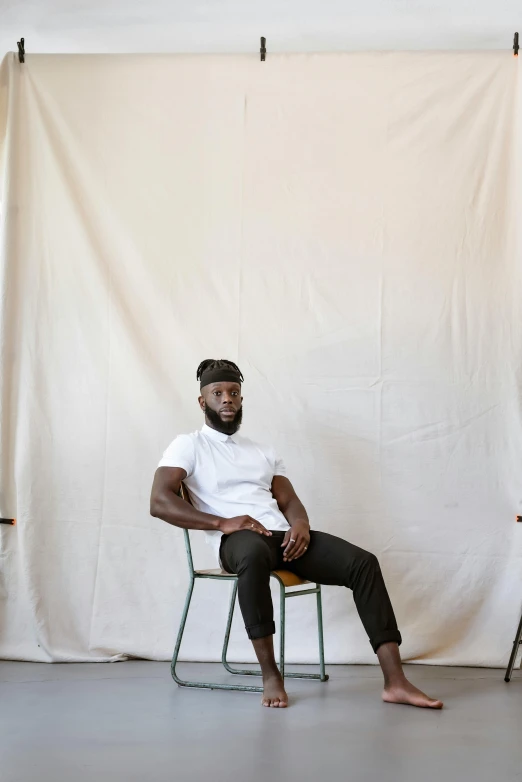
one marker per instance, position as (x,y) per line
(176,511)
(295,511)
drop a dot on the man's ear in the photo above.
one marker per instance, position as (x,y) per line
(201,402)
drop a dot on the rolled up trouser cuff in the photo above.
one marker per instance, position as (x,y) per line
(261,631)
(386,638)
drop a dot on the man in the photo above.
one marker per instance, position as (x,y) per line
(256,523)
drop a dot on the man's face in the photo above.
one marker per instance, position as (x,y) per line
(222,405)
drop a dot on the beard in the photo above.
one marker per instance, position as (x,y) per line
(225,427)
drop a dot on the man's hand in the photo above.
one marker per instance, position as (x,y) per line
(296,540)
(228,526)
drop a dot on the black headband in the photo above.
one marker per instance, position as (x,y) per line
(220,375)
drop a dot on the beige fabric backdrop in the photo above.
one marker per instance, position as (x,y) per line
(346,227)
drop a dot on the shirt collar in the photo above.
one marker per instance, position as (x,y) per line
(215,435)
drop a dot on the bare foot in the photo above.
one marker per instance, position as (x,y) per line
(406,693)
(274,695)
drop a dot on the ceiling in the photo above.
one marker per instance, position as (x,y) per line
(236,25)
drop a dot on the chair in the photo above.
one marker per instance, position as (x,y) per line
(286,581)
(513,657)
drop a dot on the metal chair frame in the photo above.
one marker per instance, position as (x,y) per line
(279,576)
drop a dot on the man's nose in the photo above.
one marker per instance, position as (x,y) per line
(227,399)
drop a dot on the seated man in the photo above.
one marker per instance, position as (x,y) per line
(256,523)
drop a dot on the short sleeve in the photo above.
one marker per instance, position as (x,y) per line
(279,466)
(180,453)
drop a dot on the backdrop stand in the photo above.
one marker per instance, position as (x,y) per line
(516,644)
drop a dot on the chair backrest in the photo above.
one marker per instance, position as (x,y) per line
(183,493)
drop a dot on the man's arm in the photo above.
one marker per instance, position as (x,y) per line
(297,538)
(166,504)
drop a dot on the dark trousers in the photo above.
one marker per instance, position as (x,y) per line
(328,560)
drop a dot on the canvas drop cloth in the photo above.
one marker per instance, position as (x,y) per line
(345,227)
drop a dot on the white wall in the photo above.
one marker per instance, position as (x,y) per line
(236,25)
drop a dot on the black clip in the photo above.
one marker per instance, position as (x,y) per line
(263,49)
(515,45)
(8,521)
(21,50)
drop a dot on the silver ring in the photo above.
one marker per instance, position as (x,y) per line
(252,526)
(292,540)
(306,548)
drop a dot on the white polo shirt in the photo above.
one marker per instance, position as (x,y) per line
(228,476)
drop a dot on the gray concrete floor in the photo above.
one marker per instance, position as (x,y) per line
(128,721)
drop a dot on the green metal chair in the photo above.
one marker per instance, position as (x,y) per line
(286,580)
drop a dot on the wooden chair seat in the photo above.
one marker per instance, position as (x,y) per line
(289,579)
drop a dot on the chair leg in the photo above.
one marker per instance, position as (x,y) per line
(324,676)
(227,631)
(282,627)
(516,644)
(181,630)
(200,685)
